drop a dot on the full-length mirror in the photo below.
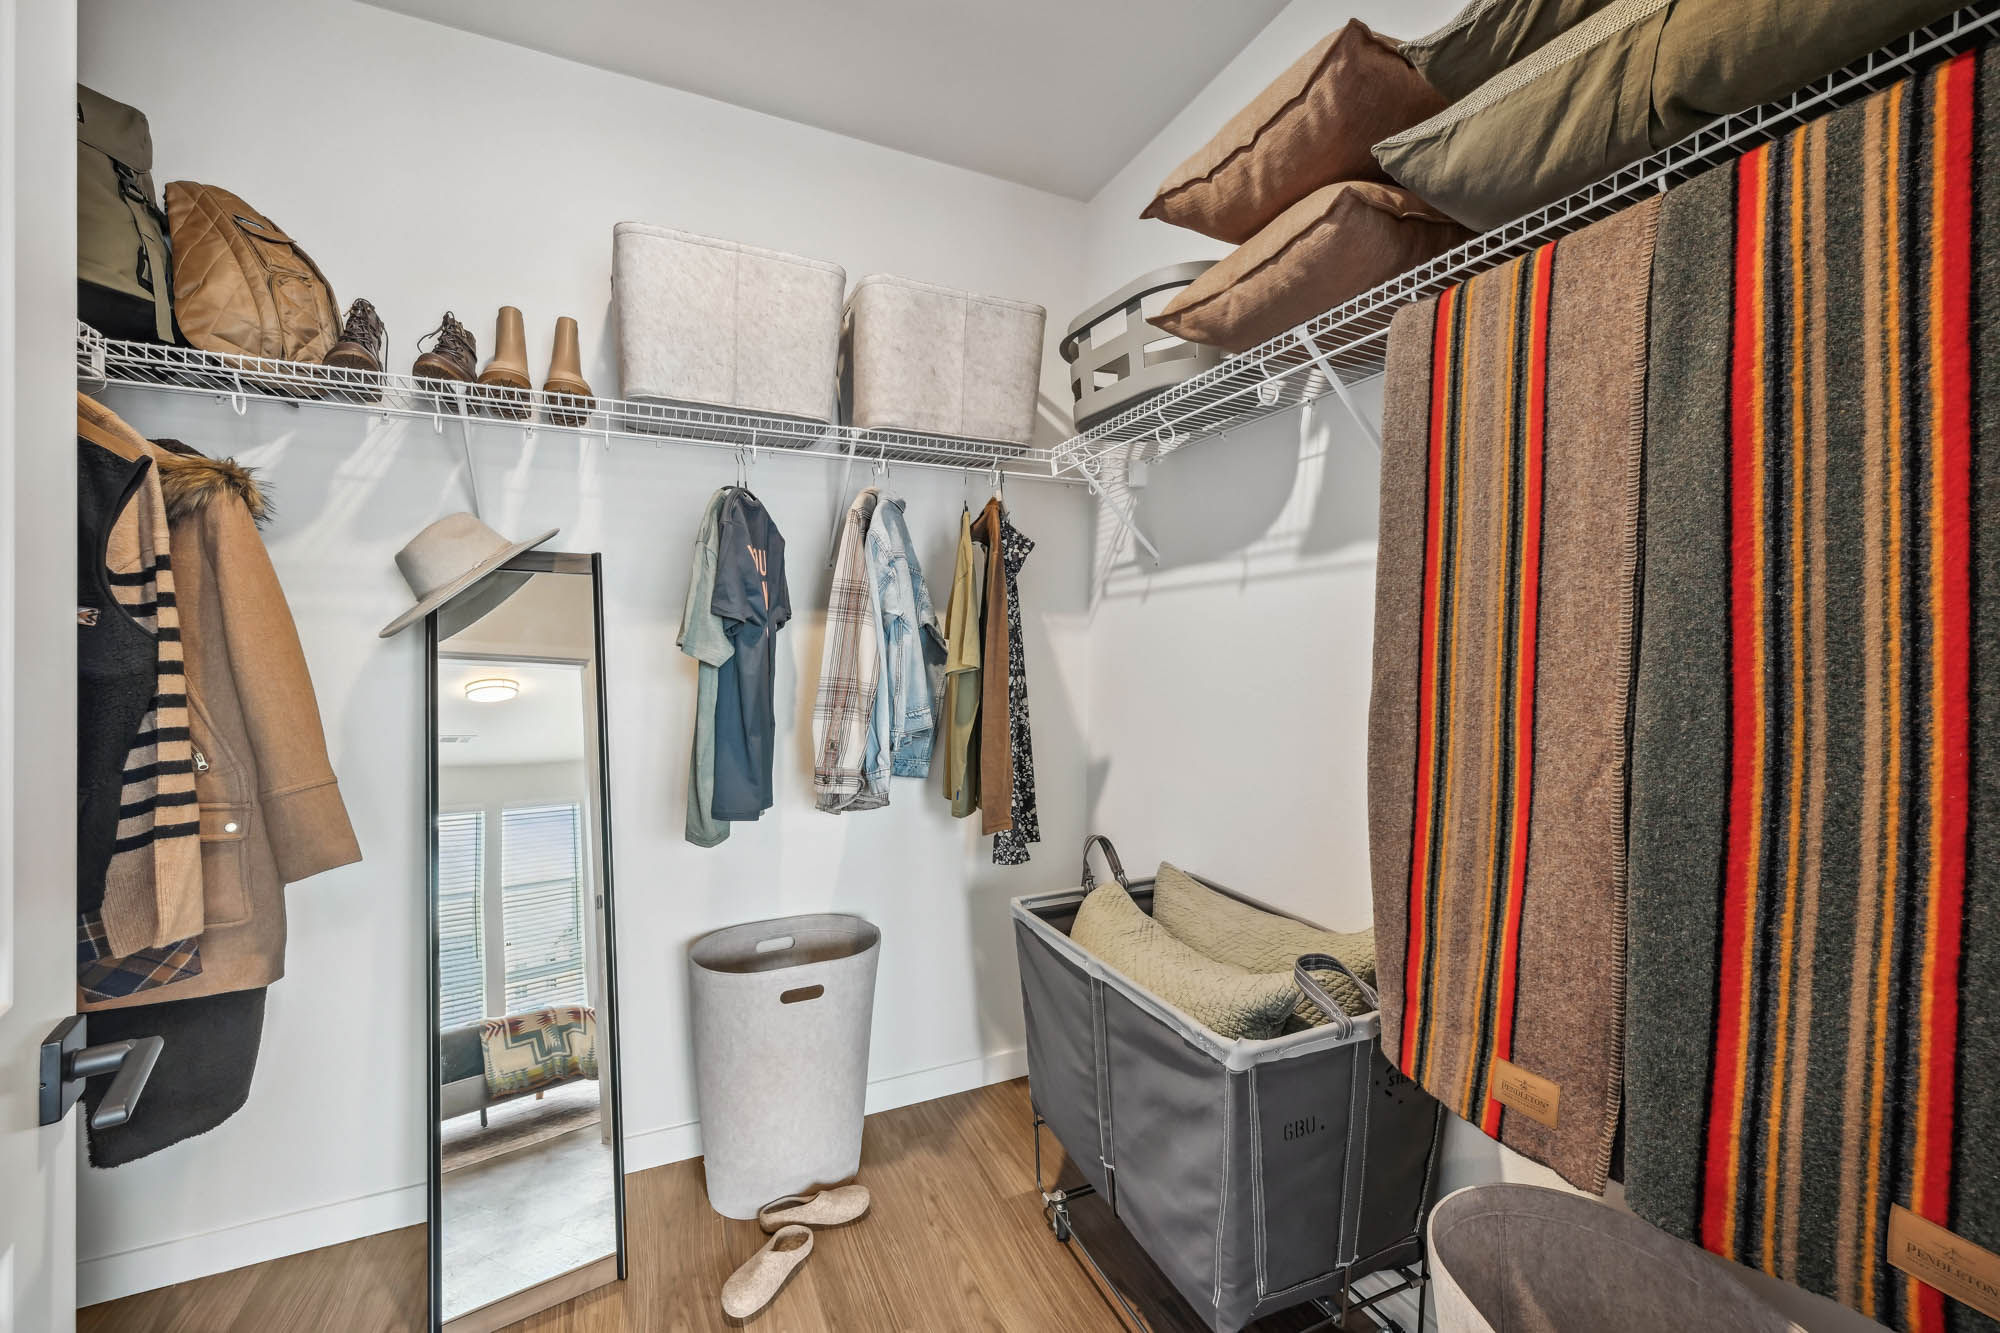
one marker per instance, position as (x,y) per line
(527,1196)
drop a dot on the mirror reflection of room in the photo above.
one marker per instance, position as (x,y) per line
(527,1178)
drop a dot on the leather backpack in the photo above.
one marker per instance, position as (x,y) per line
(124,288)
(241,285)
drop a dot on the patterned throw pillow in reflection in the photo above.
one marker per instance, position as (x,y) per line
(539,1048)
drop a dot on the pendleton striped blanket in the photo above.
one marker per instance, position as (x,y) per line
(1505,588)
(1815,912)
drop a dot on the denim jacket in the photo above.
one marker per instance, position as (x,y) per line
(912,642)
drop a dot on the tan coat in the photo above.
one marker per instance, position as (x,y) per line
(271,811)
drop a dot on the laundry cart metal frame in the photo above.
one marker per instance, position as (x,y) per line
(1255,1175)
(1414,1276)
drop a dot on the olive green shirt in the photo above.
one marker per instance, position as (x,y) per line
(961,680)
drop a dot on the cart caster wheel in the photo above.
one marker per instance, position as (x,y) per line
(1059,1224)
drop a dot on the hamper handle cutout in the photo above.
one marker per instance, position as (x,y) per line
(799,994)
(775,943)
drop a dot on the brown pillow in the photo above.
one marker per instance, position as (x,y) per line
(1488,36)
(1335,243)
(1312,127)
(1632,78)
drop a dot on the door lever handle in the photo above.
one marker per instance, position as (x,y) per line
(66,1063)
(130,1063)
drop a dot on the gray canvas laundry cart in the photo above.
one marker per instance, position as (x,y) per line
(1257,1175)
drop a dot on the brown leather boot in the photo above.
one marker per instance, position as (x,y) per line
(361,339)
(570,400)
(453,355)
(505,383)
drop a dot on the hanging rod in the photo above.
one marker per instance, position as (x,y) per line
(1336,350)
(240,381)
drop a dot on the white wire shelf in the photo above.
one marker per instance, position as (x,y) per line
(239,381)
(1347,344)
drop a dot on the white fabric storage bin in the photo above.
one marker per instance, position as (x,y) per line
(702,320)
(781,1015)
(929,359)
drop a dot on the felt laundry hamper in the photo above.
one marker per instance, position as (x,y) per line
(781,1015)
(1257,1175)
(709,321)
(936,361)
(1522,1259)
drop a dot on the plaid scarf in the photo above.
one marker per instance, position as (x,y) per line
(850,665)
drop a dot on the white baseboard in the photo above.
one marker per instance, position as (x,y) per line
(110,1276)
(927,1085)
(648,1148)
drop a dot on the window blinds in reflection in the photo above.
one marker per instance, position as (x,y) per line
(541,870)
(461,958)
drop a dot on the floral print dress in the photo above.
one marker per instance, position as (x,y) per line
(1010,846)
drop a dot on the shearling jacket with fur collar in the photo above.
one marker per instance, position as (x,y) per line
(271,811)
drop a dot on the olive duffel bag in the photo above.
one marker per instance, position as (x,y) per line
(123,288)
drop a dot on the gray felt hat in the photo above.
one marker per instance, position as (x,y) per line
(448,557)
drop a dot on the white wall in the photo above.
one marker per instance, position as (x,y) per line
(427,169)
(1252,639)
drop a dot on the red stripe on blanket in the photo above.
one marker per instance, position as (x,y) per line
(1722,1166)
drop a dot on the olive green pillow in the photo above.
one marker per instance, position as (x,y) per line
(1227,1000)
(1313,126)
(1488,36)
(1634,77)
(1259,941)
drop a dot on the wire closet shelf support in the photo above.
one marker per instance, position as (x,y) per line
(1334,351)
(240,381)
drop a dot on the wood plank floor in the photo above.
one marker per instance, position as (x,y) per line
(955,1241)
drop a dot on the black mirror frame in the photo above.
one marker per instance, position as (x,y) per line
(534,562)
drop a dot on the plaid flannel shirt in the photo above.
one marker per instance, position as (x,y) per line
(849,672)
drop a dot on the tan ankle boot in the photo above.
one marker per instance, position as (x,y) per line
(570,400)
(505,381)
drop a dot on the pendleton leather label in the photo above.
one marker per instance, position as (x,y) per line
(1955,1266)
(1530,1094)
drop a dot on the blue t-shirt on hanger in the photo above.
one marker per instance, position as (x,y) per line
(754,603)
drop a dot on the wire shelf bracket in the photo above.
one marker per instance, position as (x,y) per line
(1335,350)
